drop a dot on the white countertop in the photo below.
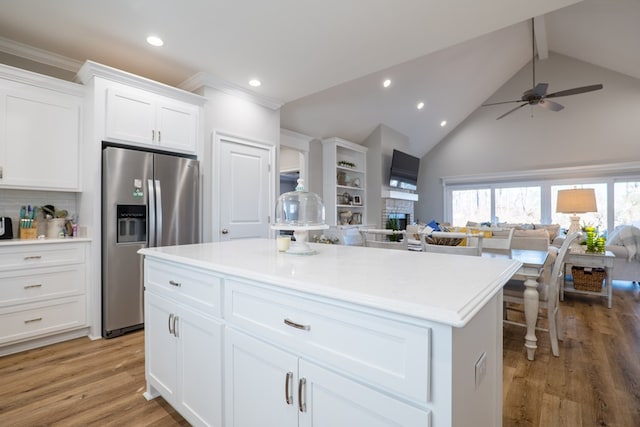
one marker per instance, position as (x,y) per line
(14,242)
(447,289)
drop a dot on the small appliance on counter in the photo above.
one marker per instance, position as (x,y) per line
(6,228)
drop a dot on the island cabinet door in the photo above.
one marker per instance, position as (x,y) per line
(199,367)
(260,383)
(161,346)
(328,399)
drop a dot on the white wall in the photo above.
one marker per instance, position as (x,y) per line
(240,117)
(594,128)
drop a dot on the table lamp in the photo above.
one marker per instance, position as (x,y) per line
(575,201)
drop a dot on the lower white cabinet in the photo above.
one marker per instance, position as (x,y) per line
(183,359)
(269,386)
(43,293)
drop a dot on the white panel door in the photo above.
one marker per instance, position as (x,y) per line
(246,187)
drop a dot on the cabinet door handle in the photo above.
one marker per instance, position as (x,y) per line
(287,388)
(174,283)
(175,326)
(153,135)
(37,319)
(27,258)
(37,285)
(302,395)
(296,325)
(159,136)
(170,323)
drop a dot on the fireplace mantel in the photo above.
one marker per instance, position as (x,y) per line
(401,195)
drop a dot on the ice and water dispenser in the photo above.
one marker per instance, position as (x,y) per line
(132,223)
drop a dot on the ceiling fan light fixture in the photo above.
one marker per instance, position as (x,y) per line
(155,41)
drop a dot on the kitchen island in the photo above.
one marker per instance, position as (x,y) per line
(238,334)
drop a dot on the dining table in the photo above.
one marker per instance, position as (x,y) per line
(532,264)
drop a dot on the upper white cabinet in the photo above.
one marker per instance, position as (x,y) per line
(138,116)
(39,131)
(344,177)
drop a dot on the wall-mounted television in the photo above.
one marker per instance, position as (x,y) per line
(404,171)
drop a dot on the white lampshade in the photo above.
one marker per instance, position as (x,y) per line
(577,200)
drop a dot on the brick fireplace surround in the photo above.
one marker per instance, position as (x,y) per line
(396,206)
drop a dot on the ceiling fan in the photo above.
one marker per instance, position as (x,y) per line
(537,95)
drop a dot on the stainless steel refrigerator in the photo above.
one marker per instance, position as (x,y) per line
(148,199)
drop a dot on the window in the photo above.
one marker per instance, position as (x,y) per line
(626,203)
(530,196)
(470,205)
(518,205)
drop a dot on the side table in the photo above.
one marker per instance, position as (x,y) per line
(593,260)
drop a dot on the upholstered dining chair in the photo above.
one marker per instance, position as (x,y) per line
(379,238)
(548,294)
(450,243)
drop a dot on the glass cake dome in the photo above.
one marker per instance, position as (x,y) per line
(300,211)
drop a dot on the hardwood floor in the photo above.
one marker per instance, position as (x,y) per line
(594,382)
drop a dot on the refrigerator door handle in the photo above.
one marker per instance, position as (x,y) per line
(152,214)
(158,213)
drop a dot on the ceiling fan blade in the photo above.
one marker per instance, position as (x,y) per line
(550,105)
(512,110)
(575,91)
(498,103)
(540,89)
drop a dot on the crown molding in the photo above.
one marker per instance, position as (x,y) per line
(203,79)
(38,55)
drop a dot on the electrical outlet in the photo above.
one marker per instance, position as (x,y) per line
(481,369)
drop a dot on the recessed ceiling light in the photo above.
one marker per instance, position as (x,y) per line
(155,41)
(386,83)
(443,123)
(420,105)
(255,82)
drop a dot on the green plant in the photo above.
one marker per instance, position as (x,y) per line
(392,224)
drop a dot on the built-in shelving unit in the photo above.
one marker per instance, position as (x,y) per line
(344,181)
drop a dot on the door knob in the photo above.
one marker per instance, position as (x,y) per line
(225,231)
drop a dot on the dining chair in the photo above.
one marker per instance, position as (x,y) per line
(500,242)
(379,238)
(449,243)
(548,295)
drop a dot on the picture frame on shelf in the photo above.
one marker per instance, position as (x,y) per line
(357,200)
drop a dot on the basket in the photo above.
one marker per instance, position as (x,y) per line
(588,279)
(445,241)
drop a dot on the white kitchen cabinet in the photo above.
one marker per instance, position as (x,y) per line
(138,116)
(285,390)
(43,293)
(182,346)
(39,132)
(344,179)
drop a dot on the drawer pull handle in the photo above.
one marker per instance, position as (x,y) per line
(37,285)
(302,395)
(27,258)
(296,325)
(174,283)
(287,388)
(37,319)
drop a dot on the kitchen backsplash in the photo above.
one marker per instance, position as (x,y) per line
(12,200)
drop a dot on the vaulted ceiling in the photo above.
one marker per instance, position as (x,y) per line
(325,61)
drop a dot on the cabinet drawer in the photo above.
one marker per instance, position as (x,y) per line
(45,255)
(18,287)
(42,319)
(198,289)
(385,352)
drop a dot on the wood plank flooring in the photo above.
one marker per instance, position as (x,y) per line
(594,382)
